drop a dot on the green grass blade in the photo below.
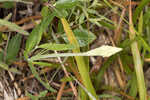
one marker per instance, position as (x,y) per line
(80,60)
(137,58)
(85,89)
(13,27)
(66,4)
(35,73)
(139,70)
(6,67)
(103,69)
(140,24)
(13,47)
(144,44)
(16,1)
(139,9)
(57,47)
(43,64)
(133,88)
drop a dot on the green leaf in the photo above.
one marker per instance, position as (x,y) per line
(60,28)
(1,56)
(45,0)
(8,5)
(126,61)
(107,25)
(60,13)
(5,67)
(13,47)
(139,9)
(42,94)
(16,1)
(32,96)
(109,96)
(62,5)
(13,27)
(126,43)
(42,63)
(46,64)
(146,17)
(57,47)
(144,43)
(66,79)
(82,18)
(83,36)
(66,4)
(14,70)
(104,51)
(133,89)
(37,32)
(103,69)
(140,24)
(44,11)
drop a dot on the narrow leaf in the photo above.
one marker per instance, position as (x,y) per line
(16,1)
(139,9)
(35,73)
(13,27)
(65,4)
(5,67)
(13,47)
(83,37)
(104,51)
(42,63)
(57,47)
(32,97)
(66,79)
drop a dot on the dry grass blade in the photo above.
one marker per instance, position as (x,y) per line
(66,73)
(61,91)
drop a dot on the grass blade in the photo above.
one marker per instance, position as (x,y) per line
(103,69)
(139,9)
(136,58)
(13,27)
(16,1)
(5,67)
(13,48)
(57,47)
(79,59)
(35,73)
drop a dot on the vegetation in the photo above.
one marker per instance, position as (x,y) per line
(74,49)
